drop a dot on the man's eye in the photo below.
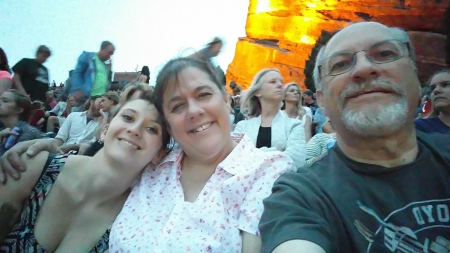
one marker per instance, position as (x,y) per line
(205,94)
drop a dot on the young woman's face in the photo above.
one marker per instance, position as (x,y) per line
(134,135)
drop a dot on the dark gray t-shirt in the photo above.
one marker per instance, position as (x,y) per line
(347,206)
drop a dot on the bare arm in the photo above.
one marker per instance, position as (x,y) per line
(18,83)
(308,128)
(13,193)
(298,246)
(250,243)
(327,128)
(58,142)
(11,163)
(5,84)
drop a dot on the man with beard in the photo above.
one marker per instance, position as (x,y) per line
(79,127)
(382,187)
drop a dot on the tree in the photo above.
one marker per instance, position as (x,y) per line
(309,66)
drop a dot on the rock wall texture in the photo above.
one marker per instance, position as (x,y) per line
(281,33)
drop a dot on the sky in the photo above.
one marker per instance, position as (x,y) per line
(144,32)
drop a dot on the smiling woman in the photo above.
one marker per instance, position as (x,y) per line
(71,201)
(206,195)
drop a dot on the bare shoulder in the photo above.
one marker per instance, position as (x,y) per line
(298,246)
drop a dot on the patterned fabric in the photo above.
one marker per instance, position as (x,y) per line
(21,239)
(156,218)
(319,145)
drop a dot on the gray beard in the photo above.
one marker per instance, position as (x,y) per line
(376,120)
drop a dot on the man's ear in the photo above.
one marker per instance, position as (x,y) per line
(319,98)
(320,101)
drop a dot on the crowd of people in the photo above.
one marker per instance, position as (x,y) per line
(356,166)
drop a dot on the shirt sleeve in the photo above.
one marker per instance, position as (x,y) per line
(20,67)
(296,144)
(64,130)
(297,210)
(239,127)
(251,209)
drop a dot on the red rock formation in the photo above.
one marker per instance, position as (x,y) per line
(281,33)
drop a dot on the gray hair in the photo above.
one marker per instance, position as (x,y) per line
(250,104)
(397,33)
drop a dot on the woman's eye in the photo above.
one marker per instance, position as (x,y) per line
(126,118)
(152,130)
(176,107)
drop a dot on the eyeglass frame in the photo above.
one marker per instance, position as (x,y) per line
(407,44)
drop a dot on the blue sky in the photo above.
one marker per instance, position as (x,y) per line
(145,32)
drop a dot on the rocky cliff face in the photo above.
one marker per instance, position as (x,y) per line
(281,33)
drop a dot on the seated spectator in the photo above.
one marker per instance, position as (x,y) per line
(79,127)
(107,104)
(293,108)
(68,203)
(321,123)
(15,110)
(310,101)
(50,100)
(6,80)
(131,91)
(268,127)
(439,120)
(382,187)
(37,113)
(59,113)
(208,189)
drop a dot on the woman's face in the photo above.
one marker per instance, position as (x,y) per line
(440,90)
(72,101)
(106,104)
(292,94)
(197,113)
(272,87)
(134,135)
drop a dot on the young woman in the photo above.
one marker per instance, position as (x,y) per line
(68,203)
(206,194)
(293,108)
(267,126)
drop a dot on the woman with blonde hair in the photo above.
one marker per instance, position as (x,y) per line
(268,126)
(293,107)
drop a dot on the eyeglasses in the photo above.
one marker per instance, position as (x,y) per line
(379,53)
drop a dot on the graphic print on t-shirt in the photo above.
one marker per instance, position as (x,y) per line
(42,75)
(428,228)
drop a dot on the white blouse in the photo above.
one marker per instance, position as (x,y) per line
(155,217)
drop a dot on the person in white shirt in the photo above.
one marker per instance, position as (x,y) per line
(79,127)
(293,107)
(267,126)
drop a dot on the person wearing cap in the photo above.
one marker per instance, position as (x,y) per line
(309,101)
(31,76)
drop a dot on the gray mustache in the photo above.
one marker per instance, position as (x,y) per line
(386,85)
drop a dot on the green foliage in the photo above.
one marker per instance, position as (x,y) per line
(309,66)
